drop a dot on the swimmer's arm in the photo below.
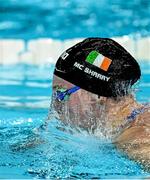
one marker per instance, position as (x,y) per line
(135,141)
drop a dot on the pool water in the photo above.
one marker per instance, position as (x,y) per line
(65,19)
(58,152)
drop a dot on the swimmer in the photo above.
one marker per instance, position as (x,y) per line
(93,87)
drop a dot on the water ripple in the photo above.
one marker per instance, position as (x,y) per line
(69,19)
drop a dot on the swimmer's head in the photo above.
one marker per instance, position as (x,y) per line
(100,66)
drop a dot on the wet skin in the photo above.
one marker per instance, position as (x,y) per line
(85,110)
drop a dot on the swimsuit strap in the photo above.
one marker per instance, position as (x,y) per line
(133,116)
(136,112)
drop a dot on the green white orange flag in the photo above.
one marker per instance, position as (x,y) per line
(98,60)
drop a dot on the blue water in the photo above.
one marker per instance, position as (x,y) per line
(58,152)
(63,19)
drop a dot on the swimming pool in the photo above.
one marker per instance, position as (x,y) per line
(25,90)
(59,152)
(65,19)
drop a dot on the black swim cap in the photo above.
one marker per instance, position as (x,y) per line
(99,65)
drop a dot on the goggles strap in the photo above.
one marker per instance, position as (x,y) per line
(61,95)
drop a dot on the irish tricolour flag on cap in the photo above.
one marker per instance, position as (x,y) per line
(99,60)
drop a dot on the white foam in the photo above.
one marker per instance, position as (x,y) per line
(45,50)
